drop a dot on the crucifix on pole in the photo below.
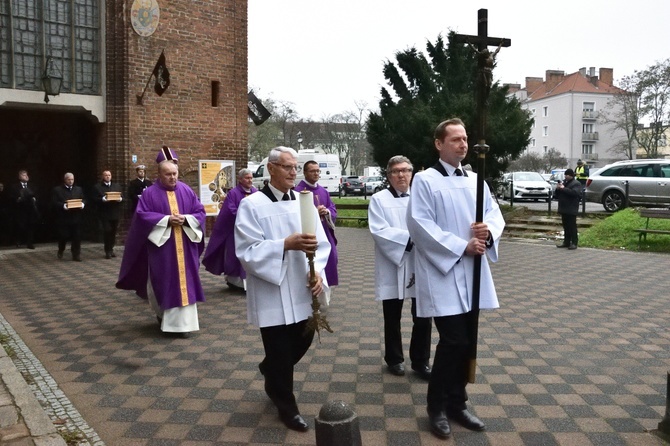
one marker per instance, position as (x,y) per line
(485,64)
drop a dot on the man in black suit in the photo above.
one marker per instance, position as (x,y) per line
(26,216)
(68,215)
(137,186)
(109,210)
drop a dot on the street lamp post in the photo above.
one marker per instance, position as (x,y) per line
(299,140)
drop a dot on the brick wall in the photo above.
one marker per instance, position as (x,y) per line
(204,41)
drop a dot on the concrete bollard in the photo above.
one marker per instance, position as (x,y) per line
(337,425)
(664,425)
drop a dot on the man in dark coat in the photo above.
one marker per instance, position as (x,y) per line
(26,216)
(569,194)
(108,198)
(68,215)
(137,186)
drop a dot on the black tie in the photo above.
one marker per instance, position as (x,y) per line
(404,194)
(458,173)
(286,197)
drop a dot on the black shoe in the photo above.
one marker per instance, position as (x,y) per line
(562,246)
(59,254)
(30,247)
(108,255)
(439,424)
(76,258)
(466,419)
(234,287)
(296,423)
(397,369)
(111,253)
(423,371)
(572,247)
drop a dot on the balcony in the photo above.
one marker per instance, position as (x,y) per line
(593,136)
(589,115)
(590,156)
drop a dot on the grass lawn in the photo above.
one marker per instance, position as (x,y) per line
(352,212)
(617,232)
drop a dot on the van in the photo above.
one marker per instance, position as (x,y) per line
(329,163)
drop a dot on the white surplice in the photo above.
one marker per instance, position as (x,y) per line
(441,210)
(394,265)
(277,291)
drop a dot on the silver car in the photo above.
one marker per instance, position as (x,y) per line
(647,181)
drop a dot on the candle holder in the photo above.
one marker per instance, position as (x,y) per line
(317,321)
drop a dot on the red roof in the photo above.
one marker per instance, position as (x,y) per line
(572,83)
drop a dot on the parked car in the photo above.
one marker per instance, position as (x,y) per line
(352,186)
(373,184)
(648,183)
(527,186)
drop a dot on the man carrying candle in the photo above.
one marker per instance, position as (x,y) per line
(272,247)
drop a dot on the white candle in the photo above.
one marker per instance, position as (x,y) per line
(307,220)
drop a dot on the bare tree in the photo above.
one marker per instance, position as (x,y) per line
(528,162)
(554,159)
(622,113)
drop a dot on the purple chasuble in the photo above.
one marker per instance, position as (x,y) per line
(220,255)
(141,256)
(322,197)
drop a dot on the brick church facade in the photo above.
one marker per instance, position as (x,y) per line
(106,57)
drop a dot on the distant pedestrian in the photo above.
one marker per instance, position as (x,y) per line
(26,215)
(68,203)
(137,186)
(108,197)
(582,173)
(569,194)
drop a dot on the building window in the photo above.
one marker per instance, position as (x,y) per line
(589,106)
(545,148)
(545,130)
(532,142)
(532,112)
(545,111)
(587,149)
(66,30)
(587,128)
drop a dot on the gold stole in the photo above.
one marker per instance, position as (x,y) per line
(179,246)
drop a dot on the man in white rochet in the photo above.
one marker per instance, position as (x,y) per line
(272,250)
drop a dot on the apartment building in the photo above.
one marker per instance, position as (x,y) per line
(566,111)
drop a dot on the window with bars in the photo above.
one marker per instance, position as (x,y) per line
(66,30)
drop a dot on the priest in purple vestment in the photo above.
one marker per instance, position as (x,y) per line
(220,255)
(162,254)
(327,212)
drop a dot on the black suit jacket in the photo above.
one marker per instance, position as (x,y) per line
(135,188)
(107,210)
(60,195)
(23,202)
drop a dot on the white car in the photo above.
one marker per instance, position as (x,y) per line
(373,184)
(526,185)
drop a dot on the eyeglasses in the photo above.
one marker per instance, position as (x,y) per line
(399,171)
(287,167)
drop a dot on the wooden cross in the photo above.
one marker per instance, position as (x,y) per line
(485,64)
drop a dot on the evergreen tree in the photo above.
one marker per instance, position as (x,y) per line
(427,89)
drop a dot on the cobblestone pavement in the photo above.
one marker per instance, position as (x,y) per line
(578,354)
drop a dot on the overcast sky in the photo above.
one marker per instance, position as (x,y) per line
(325,55)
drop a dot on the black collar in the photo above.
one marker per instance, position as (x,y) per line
(268,193)
(440,168)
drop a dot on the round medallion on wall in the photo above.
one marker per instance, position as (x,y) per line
(144,16)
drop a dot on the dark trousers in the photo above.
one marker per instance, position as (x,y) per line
(24,231)
(419,346)
(109,234)
(570,229)
(72,232)
(284,346)
(446,387)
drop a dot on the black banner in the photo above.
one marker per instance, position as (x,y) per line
(162,76)
(257,111)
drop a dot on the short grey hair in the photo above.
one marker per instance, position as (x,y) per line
(397,160)
(243,172)
(69,174)
(275,153)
